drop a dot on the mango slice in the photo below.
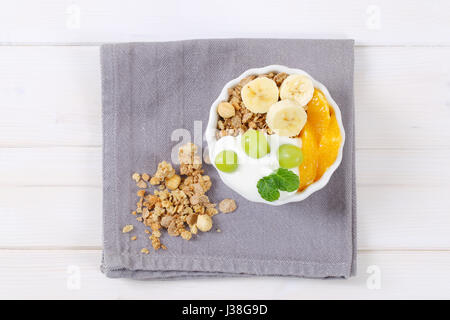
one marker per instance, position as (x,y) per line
(321,139)
(319,113)
(329,146)
(310,163)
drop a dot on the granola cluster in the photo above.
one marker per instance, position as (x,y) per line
(180,204)
(233,123)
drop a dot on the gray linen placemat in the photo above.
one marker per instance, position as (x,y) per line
(151,89)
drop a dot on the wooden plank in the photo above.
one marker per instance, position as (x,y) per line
(402,98)
(369,22)
(389,217)
(51,96)
(403,167)
(60,217)
(403,217)
(75,275)
(64,166)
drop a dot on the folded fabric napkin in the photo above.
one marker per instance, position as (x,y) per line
(151,89)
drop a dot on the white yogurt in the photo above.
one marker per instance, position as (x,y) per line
(250,170)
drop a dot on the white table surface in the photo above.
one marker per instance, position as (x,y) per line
(50,140)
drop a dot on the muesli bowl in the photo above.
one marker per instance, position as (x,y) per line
(212,138)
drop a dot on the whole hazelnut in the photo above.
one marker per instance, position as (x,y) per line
(173,182)
(225,110)
(204,222)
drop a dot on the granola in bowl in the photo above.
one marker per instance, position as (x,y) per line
(275,135)
(234,117)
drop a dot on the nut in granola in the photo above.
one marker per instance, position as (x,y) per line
(180,204)
(225,110)
(173,182)
(204,223)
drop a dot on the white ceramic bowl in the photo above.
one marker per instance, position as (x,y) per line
(213,118)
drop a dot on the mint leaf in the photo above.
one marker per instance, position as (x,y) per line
(282,179)
(268,188)
(286,180)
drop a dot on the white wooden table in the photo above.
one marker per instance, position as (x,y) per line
(50,140)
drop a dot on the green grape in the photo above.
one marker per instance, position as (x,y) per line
(227,161)
(255,144)
(289,156)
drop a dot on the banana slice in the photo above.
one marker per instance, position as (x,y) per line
(297,87)
(286,118)
(259,94)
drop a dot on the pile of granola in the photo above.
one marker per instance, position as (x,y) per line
(180,204)
(235,118)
